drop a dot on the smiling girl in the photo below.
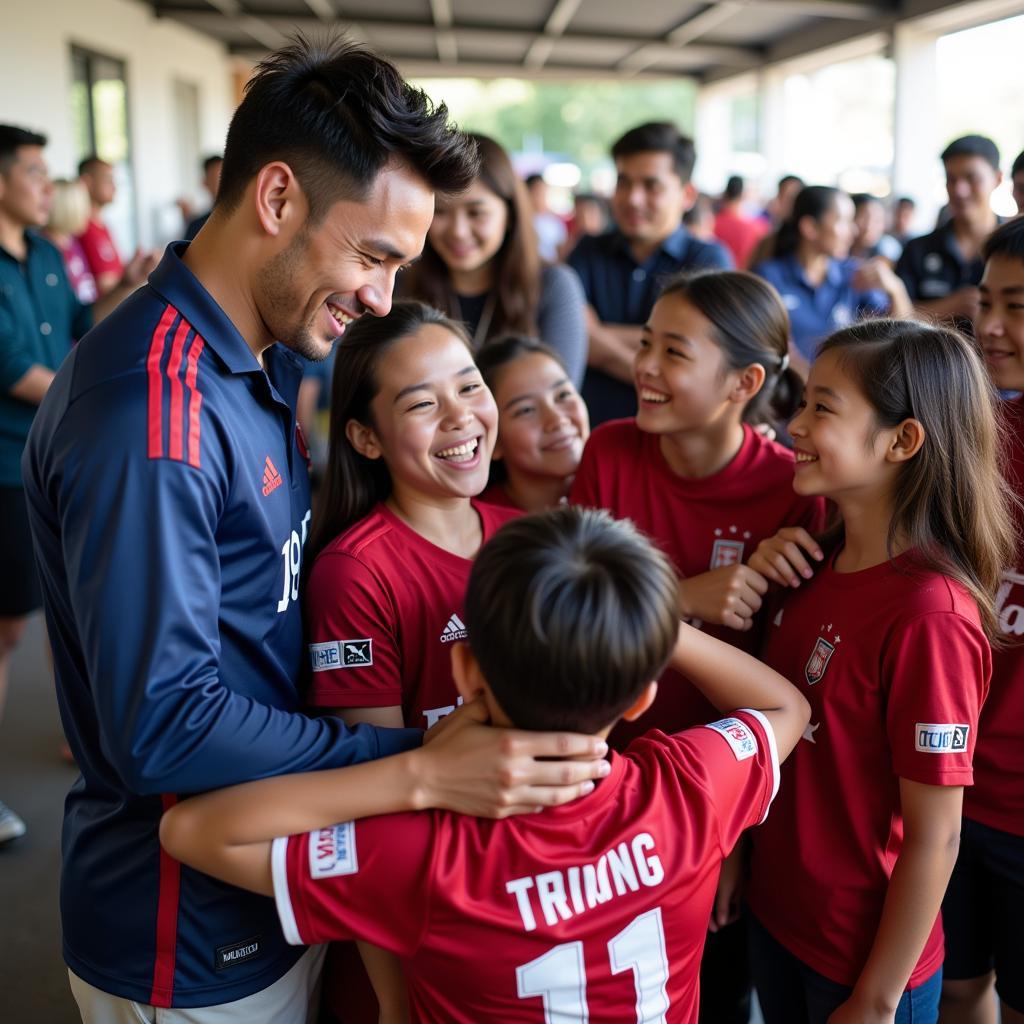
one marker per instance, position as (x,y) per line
(480,265)
(542,424)
(412,430)
(890,643)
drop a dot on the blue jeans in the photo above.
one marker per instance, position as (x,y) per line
(790,992)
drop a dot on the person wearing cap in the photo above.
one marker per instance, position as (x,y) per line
(942,270)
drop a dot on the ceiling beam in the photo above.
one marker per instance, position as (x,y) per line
(324,10)
(558,21)
(444,38)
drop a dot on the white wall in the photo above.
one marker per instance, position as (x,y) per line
(35,83)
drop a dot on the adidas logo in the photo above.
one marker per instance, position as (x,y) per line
(454,630)
(271,478)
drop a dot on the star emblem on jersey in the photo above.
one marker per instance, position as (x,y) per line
(271,478)
(455,629)
(818,661)
(809,732)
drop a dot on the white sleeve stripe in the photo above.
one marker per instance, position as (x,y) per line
(773,748)
(282,897)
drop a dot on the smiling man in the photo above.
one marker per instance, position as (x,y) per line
(623,271)
(169,503)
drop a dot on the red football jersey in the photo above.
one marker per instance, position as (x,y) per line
(997,797)
(383,607)
(100,251)
(895,666)
(599,907)
(700,524)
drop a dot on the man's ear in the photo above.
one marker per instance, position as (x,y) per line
(469,680)
(642,703)
(363,439)
(907,440)
(281,205)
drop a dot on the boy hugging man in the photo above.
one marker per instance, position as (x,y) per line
(595,910)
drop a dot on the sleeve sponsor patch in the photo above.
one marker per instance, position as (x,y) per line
(738,735)
(935,738)
(335,654)
(332,851)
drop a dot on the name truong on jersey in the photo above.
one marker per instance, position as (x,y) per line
(561,895)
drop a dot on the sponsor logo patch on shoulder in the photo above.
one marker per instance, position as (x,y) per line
(332,851)
(738,735)
(937,738)
(336,654)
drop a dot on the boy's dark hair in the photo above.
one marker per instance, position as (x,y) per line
(1007,240)
(750,326)
(951,505)
(787,179)
(1018,165)
(353,484)
(12,138)
(863,199)
(570,613)
(973,145)
(660,137)
(87,163)
(336,113)
(733,187)
(213,158)
(532,179)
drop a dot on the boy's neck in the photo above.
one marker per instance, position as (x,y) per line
(536,493)
(450,523)
(694,454)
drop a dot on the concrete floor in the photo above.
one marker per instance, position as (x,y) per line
(33,781)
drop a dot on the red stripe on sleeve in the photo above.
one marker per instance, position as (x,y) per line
(154,416)
(176,431)
(195,402)
(166,922)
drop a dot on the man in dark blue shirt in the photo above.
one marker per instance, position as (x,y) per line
(169,503)
(623,271)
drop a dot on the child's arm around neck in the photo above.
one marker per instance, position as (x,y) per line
(732,679)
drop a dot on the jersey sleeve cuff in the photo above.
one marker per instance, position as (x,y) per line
(282,895)
(773,752)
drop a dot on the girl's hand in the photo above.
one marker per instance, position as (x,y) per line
(490,772)
(730,596)
(781,560)
(855,1012)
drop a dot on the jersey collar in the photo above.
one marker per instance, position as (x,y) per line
(177,285)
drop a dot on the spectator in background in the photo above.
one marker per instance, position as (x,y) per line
(211,182)
(775,214)
(480,265)
(822,288)
(69,214)
(942,270)
(869,237)
(903,219)
(589,217)
(734,227)
(622,271)
(699,219)
(550,228)
(100,252)
(1017,177)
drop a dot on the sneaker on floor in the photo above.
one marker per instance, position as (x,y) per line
(11,826)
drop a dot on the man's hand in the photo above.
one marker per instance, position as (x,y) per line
(781,560)
(470,767)
(139,267)
(730,596)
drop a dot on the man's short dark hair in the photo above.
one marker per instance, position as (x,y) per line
(1018,166)
(336,113)
(1007,240)
(907,201)
(790,179)
(973,145)
(88,163)
(570,613)
(660,137)
(12,138)
(532,179)
(864,199)
(210,161)
(733,187)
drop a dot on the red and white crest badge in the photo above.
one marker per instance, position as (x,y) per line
(818,661)
(726,552)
